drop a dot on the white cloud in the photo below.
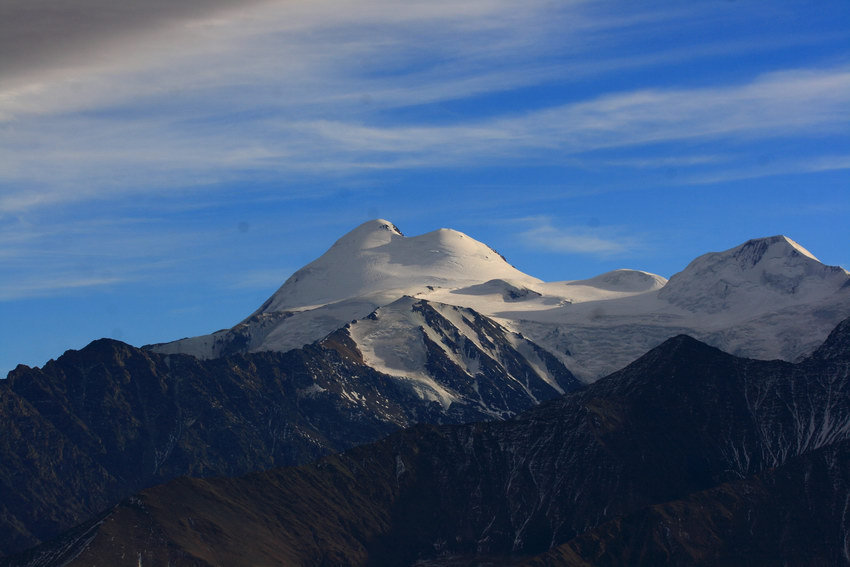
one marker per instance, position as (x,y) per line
(56,160)
(59,284)
(664,161)
(43,256)
(597,241)
(813,165)
(800,103)
(284,89)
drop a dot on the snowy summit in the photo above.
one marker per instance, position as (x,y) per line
(767,298)
(376,259)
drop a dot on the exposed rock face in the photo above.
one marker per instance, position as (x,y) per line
(104,422)
(457,357)
(750,456)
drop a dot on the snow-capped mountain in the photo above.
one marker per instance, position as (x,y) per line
(453,355)
(765,273)
(767,298)
(370,267)
(376,261)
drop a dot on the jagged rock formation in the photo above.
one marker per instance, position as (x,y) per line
(101,423)
(685,451)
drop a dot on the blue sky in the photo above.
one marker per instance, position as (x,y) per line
(164,166)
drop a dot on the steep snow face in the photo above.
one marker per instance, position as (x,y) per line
(375,259)
(761,273)
(453,355)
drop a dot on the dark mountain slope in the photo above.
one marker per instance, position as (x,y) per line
(684,419)
(796,514)
(101,423)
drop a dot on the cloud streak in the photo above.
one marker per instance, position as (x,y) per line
(59,284)
(205,95)
(142,155)
(819,164)
(796,101)
(600,241)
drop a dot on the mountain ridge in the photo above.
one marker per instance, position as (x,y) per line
(95,425)
(720,438)
(376,257)
(776,263)
(482,346)
(766,298)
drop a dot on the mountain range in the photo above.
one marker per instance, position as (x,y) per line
(767,298)
(385,331)
(688,456)
(98,424)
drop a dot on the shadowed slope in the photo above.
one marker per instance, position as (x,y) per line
(682,420)
(104,422)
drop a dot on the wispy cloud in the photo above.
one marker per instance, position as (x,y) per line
(542,234)
(45,257)
(664,161)
(58,284)
(803,102)
(39,35)
(813,165)
(101,158)
(289,90)
(284,89)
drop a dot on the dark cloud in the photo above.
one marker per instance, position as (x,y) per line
(43,34)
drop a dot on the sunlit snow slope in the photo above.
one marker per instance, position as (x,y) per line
(767,298)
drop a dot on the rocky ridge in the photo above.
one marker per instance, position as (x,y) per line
(101,423)
(688,456)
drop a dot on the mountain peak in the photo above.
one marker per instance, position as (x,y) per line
(739,276)
(370,234)
(374,225)
(376,259)
(754,251)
